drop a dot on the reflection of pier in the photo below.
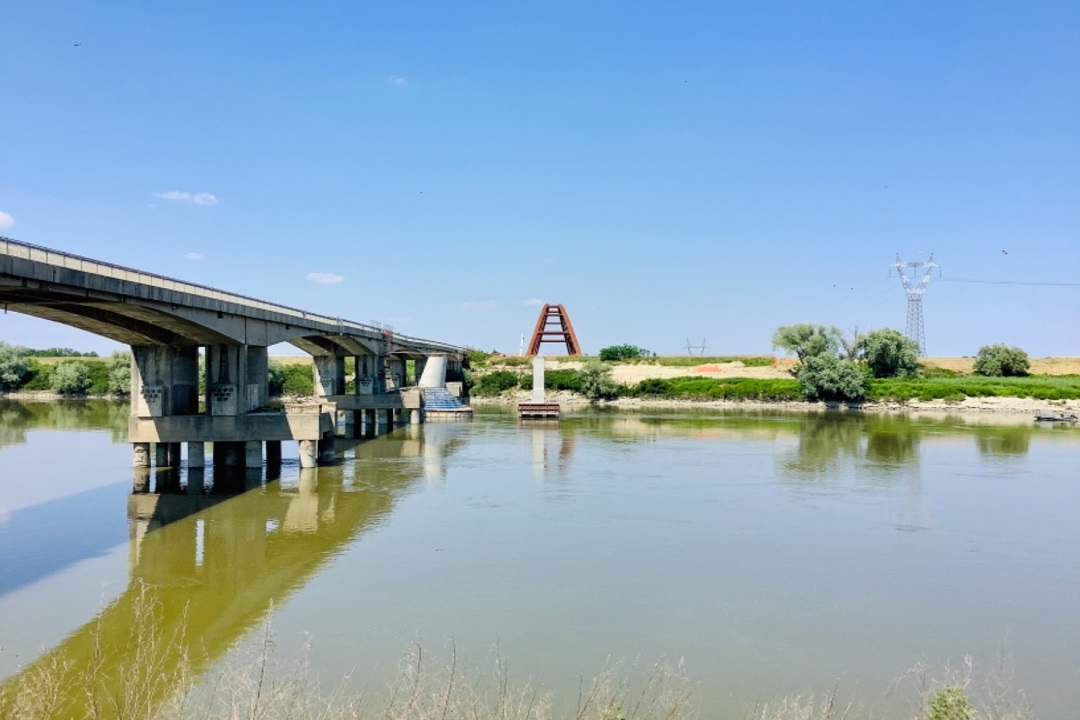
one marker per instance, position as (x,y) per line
(217,561)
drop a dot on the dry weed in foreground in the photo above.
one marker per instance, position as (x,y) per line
(147,676)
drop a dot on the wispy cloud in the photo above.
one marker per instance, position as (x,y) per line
(194,256)
(6,221)
(399,80)
(533,302)
(478,304)
(326,278)
(199,198)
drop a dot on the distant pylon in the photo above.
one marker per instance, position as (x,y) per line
(554,315)
(915,294)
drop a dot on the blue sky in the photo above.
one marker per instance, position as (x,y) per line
(665,170)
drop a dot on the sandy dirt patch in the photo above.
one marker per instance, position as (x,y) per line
(1039,366)
(633,374)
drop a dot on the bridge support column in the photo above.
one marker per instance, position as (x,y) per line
(235,379)
(229,454)
(329,375)
(141,453)
(309,453)
(370,430)
(273,453)
(253,454)
(326,450)
(416,416)
(196,455)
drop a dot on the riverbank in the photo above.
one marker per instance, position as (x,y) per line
(995,406)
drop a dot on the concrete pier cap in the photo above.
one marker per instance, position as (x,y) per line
(434,375)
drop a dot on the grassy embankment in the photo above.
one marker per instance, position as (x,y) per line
(498,375)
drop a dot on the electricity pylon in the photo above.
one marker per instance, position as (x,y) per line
(914,297)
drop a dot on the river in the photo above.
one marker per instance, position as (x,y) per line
(769,553)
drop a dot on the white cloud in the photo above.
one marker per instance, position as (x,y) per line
(201,198)
(533,302)
(324,277)
(479,304)
(399,80)
(6,221)
(194,256)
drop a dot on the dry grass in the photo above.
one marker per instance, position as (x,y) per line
(1039,366)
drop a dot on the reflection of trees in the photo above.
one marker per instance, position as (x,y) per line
(885,443)
(892,439)
(217,564)
(1015,440)
(823,439)
(18,417)
(13,421)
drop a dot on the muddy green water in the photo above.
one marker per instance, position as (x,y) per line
(771,553)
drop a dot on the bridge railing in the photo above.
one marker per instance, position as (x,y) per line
(37,253)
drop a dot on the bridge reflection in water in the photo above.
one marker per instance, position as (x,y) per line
(217,556)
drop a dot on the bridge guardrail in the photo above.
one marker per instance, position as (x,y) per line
(38,253)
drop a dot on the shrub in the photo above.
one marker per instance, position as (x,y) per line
(299,379)
(888,354)
(1001,361)
(120,373)
(950,704)
(71,378)
(615,353)
(275,378)
(827,377)
(495,383)
(14,367)
(596,381)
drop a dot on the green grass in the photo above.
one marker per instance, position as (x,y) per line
(691,388)
(957,387)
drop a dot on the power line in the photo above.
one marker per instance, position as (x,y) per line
(1011,282)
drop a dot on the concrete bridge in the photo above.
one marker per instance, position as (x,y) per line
(168,322)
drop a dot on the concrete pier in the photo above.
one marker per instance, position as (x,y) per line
(196,453)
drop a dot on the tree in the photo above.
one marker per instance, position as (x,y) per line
(120,373)
(1001,361)
(615,353)
(14,367)
(807,340)
(71,378)
(826,377)
(888,353)
(596,380)
(275,378)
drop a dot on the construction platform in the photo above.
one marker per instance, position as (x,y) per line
(538,410)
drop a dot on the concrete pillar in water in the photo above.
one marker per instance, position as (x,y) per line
(229,454)
(141,453)
(434,375)
(236,379)
(164,381)
(273,452)
(416,416)
(329,375)
(326,450)
(161,455)
(196,455)
(309,453)
(370,430)
(252,454)
(538,380)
